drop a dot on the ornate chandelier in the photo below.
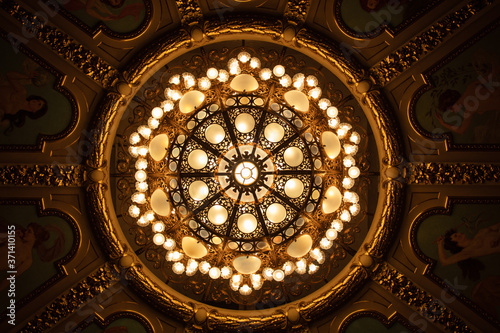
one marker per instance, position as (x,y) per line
(254,156)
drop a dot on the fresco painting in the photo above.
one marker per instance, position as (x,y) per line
(120,16)
(465,98)
(466,248)
(122,325)
(368,16)
(40,241)
(29,104)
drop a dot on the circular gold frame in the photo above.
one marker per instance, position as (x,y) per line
(386,133)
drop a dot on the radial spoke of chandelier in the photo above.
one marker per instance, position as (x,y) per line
(206,146)
(285,143)
(260,216)
(283,198)
(259,130)
(207,203)
(196,174)
(230,129)
(233,216)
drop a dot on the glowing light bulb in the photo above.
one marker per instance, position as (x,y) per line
(236,279)
(255,62)
(204,83)
(349,161)
(235,69)
(345,215)
(313,268)
(350,149)
(178,268)
(268,273)
(139,198)
(141,186)
(355,137)
(278,275)
(141,164)
(351,197)
(134,211)
(341,133)
(355,209)
(333,123)
(133,151)
(204,267)
(245,290)
(223,75)
(347,183)
(324,103)
(315,93)
(325,243)
(141,175)
(265,74)
(158,239)
(150,216)
(279,71)
(153,123)
(244,56)
(175,95)
(288,267)
(142,222)
(226,272)
(332,112)
(169,244)
(175,79)
(157,112)
(311,80)
(298,81)
(159,227)
(142,151)
(214,273)
(189,80)
(331,234)
(212,73)
(286,80)
(167,105)
(134,138)
(353,172)
(301,266)
(337,225)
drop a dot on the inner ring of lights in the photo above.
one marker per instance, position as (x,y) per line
(246,174)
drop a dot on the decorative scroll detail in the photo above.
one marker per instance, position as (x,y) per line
(42,175)
(400,286)
(296,10)
(64,305)
(457,173)
(89,63)
(397,62)
(189,11)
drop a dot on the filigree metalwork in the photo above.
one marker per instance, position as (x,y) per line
(457,173)
(399,61)
(64,305)
(42,175)
(400,286)
(309,43)
(89,63)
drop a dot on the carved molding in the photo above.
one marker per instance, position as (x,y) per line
(70,301)
(296,10)
(426,305)
(189,11)
(65,46)
(457,173)
(397,62)
(42,175)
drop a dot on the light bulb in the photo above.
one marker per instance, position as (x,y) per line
(315,253)
(351,197)
(226,272)
(133,151)
(158,227)
(288,267)
(212,73)
(311,80)
(167,105)
(348,183)
(298,81)
(158,239)
(192,264)
(331,234)
(139,198)
(223,75)
(265,74)
(315,93)
(204,83)
(268,273)
(142,222)
(134,211)
(278,275)
(141,175)
(349,161)
(301,266)
(178,268)
(175,94)
(245,290)
(189,80)
(350,149)
(150,216)
(236,279)
(332,112)
(175,255)
(169,244)
(255,62)
(141,164)
(353,172)
(134,138)
(175,79)
(345,215)
(324,103)
(279,71)
(355,209)
(235,69)
(355,137)
(244,56)
(142,150)
(214,273)
(333,123)
(341,133)
(204,267)
(337,225)
(313,268)
(286,80)
(144,131)
(153,123)
(157,112)
(325,243)
(232,62)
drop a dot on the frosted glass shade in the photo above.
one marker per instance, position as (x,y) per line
(191,100)
(297,100)
(274,132)
(198,190)
(276,212)
(217,214)
(158,147)
(293,156)
(193,248)
(198,159)
(160,203)
(331,143)
(244,123)
(247,223)
(294,188)
(300,247)
(247,264)
(215,133)
(244,82)
(332,201)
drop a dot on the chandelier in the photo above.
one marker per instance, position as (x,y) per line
(234,168)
